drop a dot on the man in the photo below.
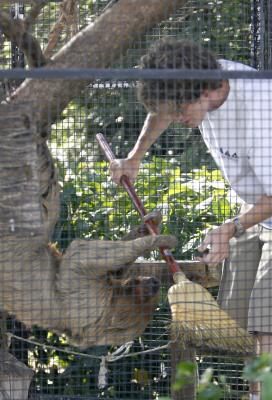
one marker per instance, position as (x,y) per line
(235,120)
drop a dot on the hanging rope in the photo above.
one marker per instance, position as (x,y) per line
(121,352)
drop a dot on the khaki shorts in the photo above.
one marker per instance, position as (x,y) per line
(246,285)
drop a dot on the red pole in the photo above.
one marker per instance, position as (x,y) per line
(125,182)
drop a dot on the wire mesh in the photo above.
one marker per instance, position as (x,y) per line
(178,176)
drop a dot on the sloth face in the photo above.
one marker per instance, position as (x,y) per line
(141,289)
(134,301)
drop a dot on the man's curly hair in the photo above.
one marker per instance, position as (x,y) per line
(169,53)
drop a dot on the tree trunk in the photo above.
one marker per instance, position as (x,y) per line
(15,378)
(20,220)
(96,46)
(20,210)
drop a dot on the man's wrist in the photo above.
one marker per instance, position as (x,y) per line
(230,228)
(134,157)
(239,229)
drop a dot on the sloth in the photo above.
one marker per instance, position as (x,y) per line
(90,293)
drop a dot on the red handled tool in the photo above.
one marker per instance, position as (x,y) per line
(126,183)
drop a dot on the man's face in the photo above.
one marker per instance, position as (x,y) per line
(190,114)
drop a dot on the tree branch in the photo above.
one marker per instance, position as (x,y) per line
(97,46)
(15,31)
(34,13)
(67,17)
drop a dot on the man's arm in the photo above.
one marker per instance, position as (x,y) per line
(258,213)
(218,239)
(154,126)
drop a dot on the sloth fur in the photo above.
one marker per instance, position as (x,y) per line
(90,292)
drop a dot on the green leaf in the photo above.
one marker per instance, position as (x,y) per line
(210,392)
(267,386)
(257,369)
(185,374)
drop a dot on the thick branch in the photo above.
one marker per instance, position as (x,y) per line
(70,13)
(67,17)
(97,46)
(15,30)
(207,276)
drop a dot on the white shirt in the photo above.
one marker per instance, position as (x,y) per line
(239,136)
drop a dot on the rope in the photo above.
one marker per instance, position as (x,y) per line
(121,352)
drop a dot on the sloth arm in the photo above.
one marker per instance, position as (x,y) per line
(101,256)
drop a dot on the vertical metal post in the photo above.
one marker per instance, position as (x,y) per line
(258,34)
(17,57)
(269,34)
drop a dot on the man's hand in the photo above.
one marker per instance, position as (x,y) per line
(217,242)
(126,166)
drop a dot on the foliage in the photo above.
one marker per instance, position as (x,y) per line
(185,374)
(208,388)
(260,370)
(257,370)
(222,26)
(93,207)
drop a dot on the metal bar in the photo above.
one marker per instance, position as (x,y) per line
(269,33)
(255,33)
(130,74)
(17,56)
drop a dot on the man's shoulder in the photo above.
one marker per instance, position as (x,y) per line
(229,65)
(246,91)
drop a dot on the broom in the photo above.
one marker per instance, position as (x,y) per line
(197,318)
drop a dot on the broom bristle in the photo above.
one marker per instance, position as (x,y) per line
(199,321)
(219,333)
